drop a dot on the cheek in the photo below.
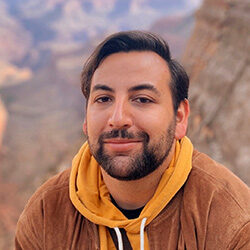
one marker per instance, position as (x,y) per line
(154,121)
(96,123)
(155,125)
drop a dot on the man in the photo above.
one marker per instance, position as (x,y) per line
(137,183)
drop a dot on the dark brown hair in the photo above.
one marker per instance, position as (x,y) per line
(137,41)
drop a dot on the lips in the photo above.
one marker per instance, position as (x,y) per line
(121,145)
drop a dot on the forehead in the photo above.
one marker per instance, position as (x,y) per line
(124,69)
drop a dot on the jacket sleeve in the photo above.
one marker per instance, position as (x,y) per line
(29,231)
(241,239)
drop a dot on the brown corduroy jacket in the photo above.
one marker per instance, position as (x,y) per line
(210,211)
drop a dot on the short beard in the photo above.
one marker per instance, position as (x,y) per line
(139,165)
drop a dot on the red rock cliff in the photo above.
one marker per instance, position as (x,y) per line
(217,60)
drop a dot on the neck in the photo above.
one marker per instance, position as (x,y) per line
(135,194)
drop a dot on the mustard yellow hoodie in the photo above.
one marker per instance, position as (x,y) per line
(91,198)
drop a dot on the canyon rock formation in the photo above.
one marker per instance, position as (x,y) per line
(217,60)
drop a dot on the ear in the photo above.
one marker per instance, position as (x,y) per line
(84,127)
(182,119)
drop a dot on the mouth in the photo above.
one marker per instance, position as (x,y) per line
(121,145)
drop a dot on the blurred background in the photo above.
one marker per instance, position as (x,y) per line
(43,45)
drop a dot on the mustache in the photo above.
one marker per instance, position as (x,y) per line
(124,134)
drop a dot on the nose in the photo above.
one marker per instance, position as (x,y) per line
(120,116)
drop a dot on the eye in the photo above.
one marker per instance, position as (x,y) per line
(103,99)
(143,100)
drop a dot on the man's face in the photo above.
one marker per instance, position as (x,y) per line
(130,117)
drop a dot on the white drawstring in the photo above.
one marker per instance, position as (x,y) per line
(143,222)
(119,238)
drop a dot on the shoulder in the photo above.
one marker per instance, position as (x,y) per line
(54,190)
(212,177)
(209,178)
(216,200)
(41,210)
(57,186)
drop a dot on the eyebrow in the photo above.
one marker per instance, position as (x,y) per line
(144,86)
(102,87)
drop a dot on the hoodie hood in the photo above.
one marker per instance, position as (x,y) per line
(91,198)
